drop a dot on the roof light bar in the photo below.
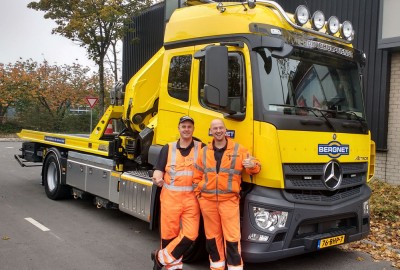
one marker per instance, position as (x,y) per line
(333,25)
(347,31)
(301,15)
(318,20)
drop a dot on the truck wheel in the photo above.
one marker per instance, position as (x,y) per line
(52,178)
(197,251)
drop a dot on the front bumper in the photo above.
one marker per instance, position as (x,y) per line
(306,224)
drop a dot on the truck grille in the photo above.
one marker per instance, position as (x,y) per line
(324,196)
(304,182)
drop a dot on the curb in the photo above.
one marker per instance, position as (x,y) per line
(10,140)
(374,244)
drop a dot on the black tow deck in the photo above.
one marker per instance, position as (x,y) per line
(25,163)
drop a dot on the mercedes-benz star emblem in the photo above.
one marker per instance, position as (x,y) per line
(332,175)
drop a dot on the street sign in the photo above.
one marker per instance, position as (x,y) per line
(92,101)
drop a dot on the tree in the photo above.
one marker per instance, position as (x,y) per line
(94,24)
(14,82)
(46,92)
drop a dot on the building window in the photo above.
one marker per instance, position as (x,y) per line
(179,77)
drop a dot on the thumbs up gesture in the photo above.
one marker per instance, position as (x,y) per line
(248,162)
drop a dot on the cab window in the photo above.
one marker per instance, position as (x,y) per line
(236,84)
(179,77)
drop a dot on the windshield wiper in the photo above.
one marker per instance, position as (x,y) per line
(361,120)
(310,109)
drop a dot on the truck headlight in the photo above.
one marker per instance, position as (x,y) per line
(270,220)
(366,207)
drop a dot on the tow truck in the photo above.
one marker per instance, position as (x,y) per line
(288,87)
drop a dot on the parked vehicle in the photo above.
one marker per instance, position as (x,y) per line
(288,88)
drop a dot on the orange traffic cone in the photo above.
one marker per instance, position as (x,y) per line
(109,129)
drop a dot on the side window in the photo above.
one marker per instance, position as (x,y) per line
(179,77)
(236,83)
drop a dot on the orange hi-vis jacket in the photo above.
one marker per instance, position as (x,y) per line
(226,183)
(179,169)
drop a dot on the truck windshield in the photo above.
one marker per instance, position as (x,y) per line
(311,81)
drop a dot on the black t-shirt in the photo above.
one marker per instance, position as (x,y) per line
(218,153)
(163,157)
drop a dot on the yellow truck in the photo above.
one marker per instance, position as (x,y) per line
(288,87)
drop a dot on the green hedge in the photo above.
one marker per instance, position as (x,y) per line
(70,123)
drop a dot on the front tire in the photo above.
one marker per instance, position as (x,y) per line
(55,190)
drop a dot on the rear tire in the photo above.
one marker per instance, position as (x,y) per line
(55,190)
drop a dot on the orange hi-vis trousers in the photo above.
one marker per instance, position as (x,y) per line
(222,228)
(180,217)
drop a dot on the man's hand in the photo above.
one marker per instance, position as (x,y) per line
(158,178)
(248,162)
(158,181)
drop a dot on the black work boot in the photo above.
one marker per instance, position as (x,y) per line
(154,257)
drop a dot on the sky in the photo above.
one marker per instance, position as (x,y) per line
(25,33)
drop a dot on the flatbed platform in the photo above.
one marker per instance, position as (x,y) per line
(79,142)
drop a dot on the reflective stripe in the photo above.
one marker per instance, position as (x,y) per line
(170,259)
(178,188)
(231,172)
(217,264)
(216,191)
(198,167)
(184,173)
(205,168)
(172,172)
(226,170)
(233,163)
(238,267)
(160,258)
(177,266)
(197,146)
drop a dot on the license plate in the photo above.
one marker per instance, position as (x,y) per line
(331,241)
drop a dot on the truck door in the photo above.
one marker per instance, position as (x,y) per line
(174,93)
(238,115)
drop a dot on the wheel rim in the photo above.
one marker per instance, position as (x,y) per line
(52,176)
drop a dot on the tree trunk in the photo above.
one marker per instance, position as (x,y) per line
(114,51)
(101,84)
(3,114)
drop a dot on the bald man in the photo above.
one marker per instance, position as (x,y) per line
(217,179)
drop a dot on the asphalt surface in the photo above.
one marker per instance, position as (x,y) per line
(39,233)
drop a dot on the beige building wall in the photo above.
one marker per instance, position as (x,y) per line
(388,163)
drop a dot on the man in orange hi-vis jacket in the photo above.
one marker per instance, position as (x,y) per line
(180,213)
(217,179)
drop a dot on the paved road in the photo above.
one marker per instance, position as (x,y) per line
(77,235)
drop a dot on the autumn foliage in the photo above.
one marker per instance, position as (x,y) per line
(383,242)
(43,94)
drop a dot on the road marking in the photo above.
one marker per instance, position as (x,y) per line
(9,147)
(37,224)
(56,236)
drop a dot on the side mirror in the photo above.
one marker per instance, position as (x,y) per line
(216,76)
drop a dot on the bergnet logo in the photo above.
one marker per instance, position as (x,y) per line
(333,149)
